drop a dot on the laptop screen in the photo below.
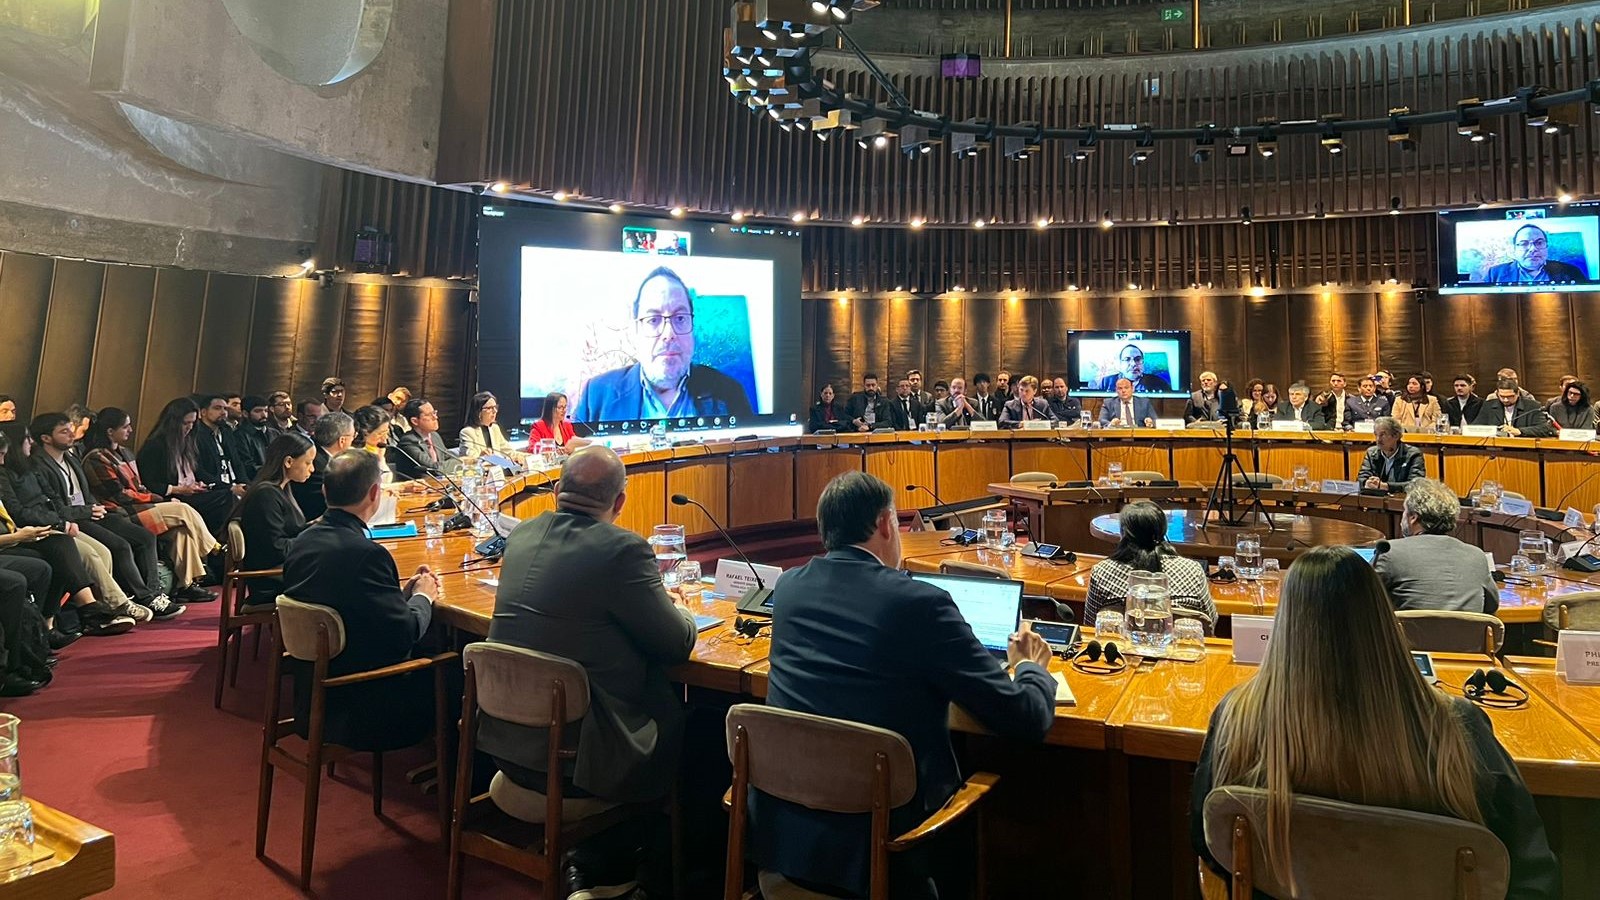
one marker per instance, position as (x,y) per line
(1370,554)
(991,606)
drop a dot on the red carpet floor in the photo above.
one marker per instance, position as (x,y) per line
(126,739)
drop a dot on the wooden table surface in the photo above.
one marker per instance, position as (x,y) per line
(74,859)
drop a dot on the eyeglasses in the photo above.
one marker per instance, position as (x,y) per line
(1133,358)
(682,323)
(1535,244)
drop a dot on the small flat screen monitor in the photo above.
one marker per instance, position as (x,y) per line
(1157,362)
(991,606)
(1520,250)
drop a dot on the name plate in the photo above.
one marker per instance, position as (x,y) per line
(984,425)
(1570,549)
(1573,518)
(734,577)
(1038,425)
(1514,507)
(1335,486)
(1577,434)
(1479,430)
(1170,424)
(1289,425)
(1489,557)
(1578,656)
(1364,426)
(1250,637)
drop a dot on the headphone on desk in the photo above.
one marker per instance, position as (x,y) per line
(750,626)
(1492,689)
(1099,659)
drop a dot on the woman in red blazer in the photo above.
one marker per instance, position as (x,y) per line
(553,425)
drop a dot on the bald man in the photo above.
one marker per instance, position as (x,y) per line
(576,585)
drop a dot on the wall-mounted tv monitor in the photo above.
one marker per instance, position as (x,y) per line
(1520,249)
(1157,362)
(640,320)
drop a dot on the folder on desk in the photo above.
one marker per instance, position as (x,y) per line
(1064,695)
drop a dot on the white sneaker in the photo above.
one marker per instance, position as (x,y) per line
(162,607)
(139,614)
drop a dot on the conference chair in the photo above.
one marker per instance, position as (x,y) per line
(1448,631)
(1023,523)
(1346,850)
(235,616)
(1034,478)
(512,826)
(1577,611)
(315,634)
(1142,475)
(1259,479)
(834,766)
(956,567)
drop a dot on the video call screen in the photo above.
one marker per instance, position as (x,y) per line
(1527,249)
(1156,362)
(639,320)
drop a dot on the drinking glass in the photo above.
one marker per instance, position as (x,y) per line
(1536,547)
(1109,628)
(546,449)
(1489,495)
(670,550)
(1247,549)
(994,527)
(1520,565)
(1149,613)
(1227,564)
(1302,478)
(1084,419)
(10,767)
(1270,569)
(1188,640)
(16,834)
(433,526)
(689,577)
(1114,472)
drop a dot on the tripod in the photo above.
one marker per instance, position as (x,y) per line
(1222,500)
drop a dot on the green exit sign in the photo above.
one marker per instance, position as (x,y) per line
(1173,14)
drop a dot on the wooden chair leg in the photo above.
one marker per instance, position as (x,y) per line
(233,659)
(377,782)
(263,806)
(255,651)
(222,665)
(269,729)
(443,784)
(308,823)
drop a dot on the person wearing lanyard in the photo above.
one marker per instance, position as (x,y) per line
(1390,463)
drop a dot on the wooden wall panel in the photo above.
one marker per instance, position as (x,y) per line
(947,340)
(908,338)
(869,342)
(834,363)
(321,321)
(24,295)
(1549,350)
(272,335)
(69,334)
(170,368)
(361,344)
(123,337)
(1401,335)
(451,331)
(405,337)
(225,332)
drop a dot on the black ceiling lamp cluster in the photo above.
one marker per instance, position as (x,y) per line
(769,67)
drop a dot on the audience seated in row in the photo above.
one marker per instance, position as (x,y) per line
(270,516)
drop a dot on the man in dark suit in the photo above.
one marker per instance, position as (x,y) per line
(1335,403)
(1130,362)
(1066,407)
(334,434)
(925,398)
(867,409)
(1126,410)
(420,451)
(957,410)
(1390,463)
(247,441)
(1026,406)
(1531,263)
(905,409)
(213,453)
(895,656)
(1204,405)
(1464,405)
(1368,405)
(577,586)
(333,563)
(1513,414)
(1299,407)
(1427,567)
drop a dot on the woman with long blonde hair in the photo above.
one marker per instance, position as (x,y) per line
(1339,711)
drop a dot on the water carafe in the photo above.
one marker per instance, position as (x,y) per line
(1149,613)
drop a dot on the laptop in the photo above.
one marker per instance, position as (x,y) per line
(991,606)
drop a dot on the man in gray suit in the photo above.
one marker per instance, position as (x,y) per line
(1428,568)
(576,585)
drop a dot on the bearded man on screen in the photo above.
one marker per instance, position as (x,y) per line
(663,382)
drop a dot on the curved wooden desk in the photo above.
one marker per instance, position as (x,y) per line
(75,859)
(1289,535)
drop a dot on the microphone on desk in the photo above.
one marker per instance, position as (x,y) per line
(758,597)
(953,511)
(494,547)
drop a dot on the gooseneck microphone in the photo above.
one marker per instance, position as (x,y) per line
(494,547)
(758,597)
(930,492)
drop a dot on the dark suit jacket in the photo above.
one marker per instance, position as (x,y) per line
(270,520)
(619,394)
(856,408)
(1311,413)
(1067,411)
(247,447)
(29,504)
(308,493)
(54,484)
(1459,416)
(825,416)
(1554,269)
(1143,409)
(1366,410)
(208,457)
(1330,407)
(896,656)
(902,420)
(410,446)
(334,563)
(1572,416)
(1407,464)
(1146,382)
(1011,413)
(589,591)
(1503,798)
(988,407)
(1529,417)
(1201,409)
(159,472)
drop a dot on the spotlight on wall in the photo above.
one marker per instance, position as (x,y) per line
(1267,143)
(737,216)
(615,207)
(1333,141)
(874,134)
(500,187)
(1105,220)
(1400,134)
(1086,145)
(677,212)
(1467,124)
(917,140)
(1245,216)
(1564,195)
(1018,149)
(1145,149)
(1394,206)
